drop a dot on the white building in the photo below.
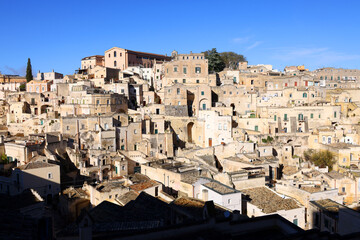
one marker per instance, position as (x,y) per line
(221,194)
(261,201)
(218,129)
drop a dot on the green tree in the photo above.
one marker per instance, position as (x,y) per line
(4,158)
(232,59)
(321,158)
(29,75)
(22,87)
(216,63)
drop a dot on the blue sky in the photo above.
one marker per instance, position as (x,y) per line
(57,34)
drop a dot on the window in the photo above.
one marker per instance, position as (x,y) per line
(208,126)
(197,69)
(175,81)
(202,93)
(204,106)
(106,126)
(300,117)
(304,95)
(97,102)
(175,69)
(311,115)
(295,221)
(256,128)
(229,201)
(114,63)
(184,70)
(344,160)
(274,117)
(225,126)
(220,126)
(50,175)
(334,114)
(184,80)
(178,91)
(114,53)
(179,103)
(343,189)
(197,81)
(135,131)
(252,82)
(285,116)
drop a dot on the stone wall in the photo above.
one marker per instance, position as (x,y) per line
(180,111)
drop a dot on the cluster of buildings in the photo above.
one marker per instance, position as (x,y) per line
(139,145)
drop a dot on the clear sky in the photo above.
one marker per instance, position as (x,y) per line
(57,34)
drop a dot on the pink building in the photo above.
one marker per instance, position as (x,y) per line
(38,86)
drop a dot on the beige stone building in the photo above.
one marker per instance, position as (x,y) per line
(188,69)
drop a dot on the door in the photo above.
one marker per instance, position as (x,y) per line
(210,142)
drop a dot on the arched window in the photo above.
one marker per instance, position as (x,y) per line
(114,63)
(114,53)
(304,95)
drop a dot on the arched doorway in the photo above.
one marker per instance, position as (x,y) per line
(189,131)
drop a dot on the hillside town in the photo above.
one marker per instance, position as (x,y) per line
(137,145)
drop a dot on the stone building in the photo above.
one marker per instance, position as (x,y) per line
(121,58)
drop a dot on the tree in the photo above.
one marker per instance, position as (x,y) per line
(232,59)
(216,63)
(29,75)
(4,158)
(321,158)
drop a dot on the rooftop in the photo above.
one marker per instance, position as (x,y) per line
(108,186)
(127,197)
(335,175)
(328,205)
(220,188)
(268,201)
(75,193)
(144,185)
(34,165)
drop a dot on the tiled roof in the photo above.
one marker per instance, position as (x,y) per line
(220,188)
(34,165)
(144,185)
(268,201)
(127,197)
